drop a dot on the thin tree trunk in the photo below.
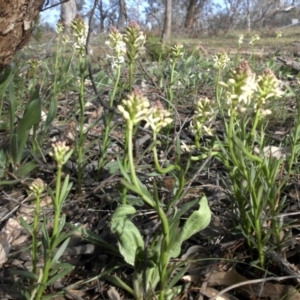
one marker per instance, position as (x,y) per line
(248,16)
(190,15)
(168,21)
(68,13)
(122,15)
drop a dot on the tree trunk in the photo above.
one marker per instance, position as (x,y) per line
(168,21)
(190,15)
(248,16)
(68,13)
(16,24)
(122,15)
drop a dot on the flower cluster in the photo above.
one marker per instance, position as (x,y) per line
(205,112)
(38,186)
(34,63)
(220,60)
(117,44)
(254,39)
(241,40)
(59,27)
(244,88)
(60,152)
(240,87)
(134,39)
(158,118)
(137,108)
(177,51)
(268,86)
(278,34)
(79,31)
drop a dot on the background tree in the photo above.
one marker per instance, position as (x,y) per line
(122,19)
(68,13)
(194,10)
(166,34)
(16,24)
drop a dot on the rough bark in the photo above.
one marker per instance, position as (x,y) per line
(121,24)
(193,11)
(16,23)
(168,21)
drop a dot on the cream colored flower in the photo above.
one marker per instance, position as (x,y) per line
(254,39)
(38,187)
(241,39)
(220,60)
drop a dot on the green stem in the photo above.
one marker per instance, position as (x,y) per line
(171,96)
(112,98)
(295,140)
(256,119)
(131,75)
(108,120)
(230,140)
(81,128)
(35,233)
(157,165)
(50,252)
(129,130)
(217,94)
(164,258)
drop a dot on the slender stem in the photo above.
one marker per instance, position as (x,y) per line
(50,252)
(164,258)
(295,140)
(81,128)
(131,75)
(108,120)
(56,205)
(230,140)
(134,179)
(35,233)
(112,98)
(171,84)
(256,119)
(157,165)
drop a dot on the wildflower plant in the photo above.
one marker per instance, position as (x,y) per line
(169,238)
(134,40)
(126,48)
(176,54)
(205,112)
(253,175)
(53,269)
(221,60)
(79,30)
(254,39)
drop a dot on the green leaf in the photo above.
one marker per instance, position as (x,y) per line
(64,269)
(32,115)
(25,169)
(10,182)
(196,222)
(51,113)
(115,280)
(128,235)
(60,251)
(25,274)
(26,225)
(179,273)
(94,238)
(112,167)
(123,171)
